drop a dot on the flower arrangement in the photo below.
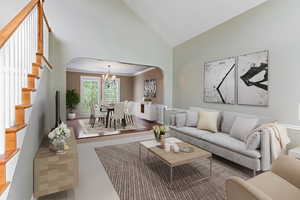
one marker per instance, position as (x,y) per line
(159,131)
(58,137)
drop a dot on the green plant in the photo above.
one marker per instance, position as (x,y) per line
(159,131)
(72,99)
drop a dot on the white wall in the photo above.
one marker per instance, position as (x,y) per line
(39,125)
(103,29)
(9,9)
(274,26)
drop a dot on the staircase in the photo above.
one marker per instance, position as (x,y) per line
(23,54)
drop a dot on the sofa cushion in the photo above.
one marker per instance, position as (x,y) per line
(275,187)
(191,118)
(224,140)
(191,131)
(198,109)
(208,120)
(221,139)
(228,119)
(180,119)
(172,120)
(242,128)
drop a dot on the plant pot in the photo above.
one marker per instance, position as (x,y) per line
(71,115)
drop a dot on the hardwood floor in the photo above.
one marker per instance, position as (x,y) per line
(78,129)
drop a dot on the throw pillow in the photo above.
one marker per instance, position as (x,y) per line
(172,120)
(208,121)
(253,141)
(242,127)
(180,119)
(191,118)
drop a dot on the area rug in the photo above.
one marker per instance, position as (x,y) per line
(97,129)
(148,178)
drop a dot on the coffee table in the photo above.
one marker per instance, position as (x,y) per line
(175,159)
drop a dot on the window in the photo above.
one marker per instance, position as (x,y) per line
(111,91)
(94,90)
(90,91)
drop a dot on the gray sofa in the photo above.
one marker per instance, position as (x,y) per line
(222,144)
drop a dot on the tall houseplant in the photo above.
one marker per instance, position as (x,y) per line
(72,100)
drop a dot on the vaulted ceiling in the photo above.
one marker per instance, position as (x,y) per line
(180,20)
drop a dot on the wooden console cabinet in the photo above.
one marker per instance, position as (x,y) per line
(55,172)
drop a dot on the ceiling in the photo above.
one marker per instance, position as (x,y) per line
(92,65)
(180,20)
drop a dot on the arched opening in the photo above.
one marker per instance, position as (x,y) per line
(101,85)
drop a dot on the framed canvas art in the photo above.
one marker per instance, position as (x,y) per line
(253,79)
(219,81)
(150,88)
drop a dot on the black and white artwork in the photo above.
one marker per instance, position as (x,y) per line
(150,88)
(219,81)
(253,79)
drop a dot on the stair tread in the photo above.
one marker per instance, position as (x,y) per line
(3,187)
(29,89)
(23,106)
(34,76)
(7,156)
(15,128)
(38,65)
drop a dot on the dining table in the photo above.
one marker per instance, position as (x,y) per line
(109,110)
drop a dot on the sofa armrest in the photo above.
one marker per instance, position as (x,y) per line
(288,168)
(237,189)
(265,161)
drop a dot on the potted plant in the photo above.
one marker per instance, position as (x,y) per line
(72,100)
(159,133)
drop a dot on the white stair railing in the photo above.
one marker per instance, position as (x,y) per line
(16,58)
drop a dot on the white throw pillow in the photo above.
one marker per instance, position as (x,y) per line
(253,141)
(172,120)
(208,120)
(191,118)
(242,127)
(180,119)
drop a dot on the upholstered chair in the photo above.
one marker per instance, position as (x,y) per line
(281,183)
(118,114)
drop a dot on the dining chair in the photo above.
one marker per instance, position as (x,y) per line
(129,113)
(100,114)
(118,114)
(92,119)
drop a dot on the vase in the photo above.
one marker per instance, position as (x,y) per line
(156,135)
(162,141)
(58,147)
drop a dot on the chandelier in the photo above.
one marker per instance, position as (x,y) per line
(108,78)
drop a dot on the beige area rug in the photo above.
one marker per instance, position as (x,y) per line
(148,179)
(88,130)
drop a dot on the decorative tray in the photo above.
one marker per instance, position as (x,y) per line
(186,149)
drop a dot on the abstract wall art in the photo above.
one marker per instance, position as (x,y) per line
(252,75)
(150,88)
(219,81)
